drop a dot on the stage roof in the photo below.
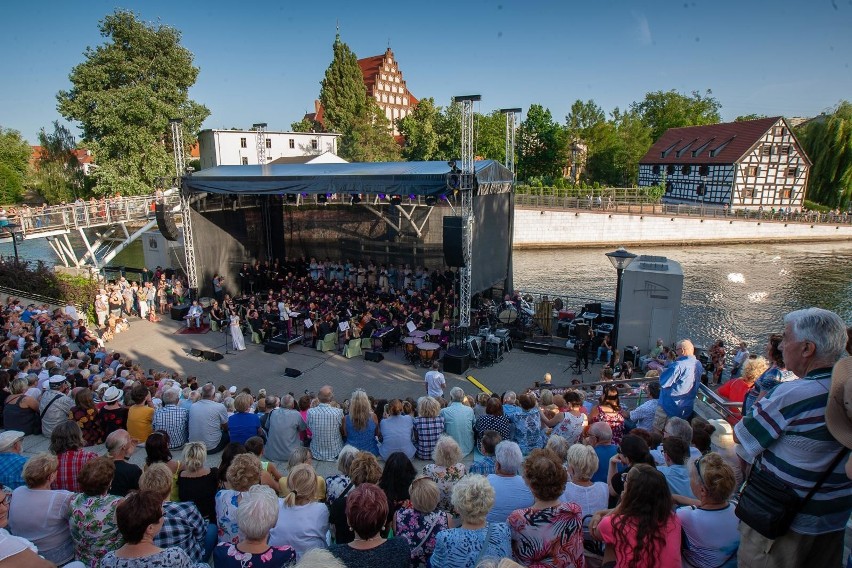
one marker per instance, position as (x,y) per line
(402,178)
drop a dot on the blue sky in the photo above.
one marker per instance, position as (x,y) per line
(262,62)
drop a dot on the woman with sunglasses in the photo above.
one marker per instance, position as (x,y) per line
(642,530)
(711,536)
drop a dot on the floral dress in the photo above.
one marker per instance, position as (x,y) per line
(419,530)
(445,477)
(227,501)
(168,558)
(93,527)
(461,548)
(571,427)
(111,419)
(548,537)
(334,487)
(615,420)
(226,555)
(528,431)
(87,420)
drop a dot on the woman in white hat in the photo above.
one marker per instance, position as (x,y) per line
(112,415)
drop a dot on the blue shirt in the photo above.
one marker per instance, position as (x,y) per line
(242,426)
(678,479)
(458,424)
(485,466)
(679,385)
(605,454)
(11,469)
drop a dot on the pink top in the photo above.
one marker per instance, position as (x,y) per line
(668,557)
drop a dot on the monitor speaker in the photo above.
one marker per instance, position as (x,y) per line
(453,250)
(211,355)
(195,352)
(166,223)
(456,363)
(275,348)
(373,357)
(292,372)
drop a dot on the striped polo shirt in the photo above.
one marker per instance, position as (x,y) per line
(788,427)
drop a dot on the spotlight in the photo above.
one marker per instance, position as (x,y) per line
(431,200)
(396,200)
(382,196)
(412,197)
(444,197)
(322,198)
(356,198)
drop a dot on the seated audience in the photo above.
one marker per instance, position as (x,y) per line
(362,424)
(16,551)
(676,453)
(395,431)
(735,390)
(120,446)
(94,530)
(302,521)
(511,493)
(337,483)
(21,411)
(112,415)
(476,538)
(198,484)
(420,522)
(493,419)
(140,415)
(40,514)
(85,414)
(559,446)
(140,519)
(157,451)
(447,469)
(242,473)
(458,421)
(428,426)
(66,443)
(364,469)
(600,438)
(11,460)
(172,419)
(643,415)
(634,450)
(284,427)
(256,446)
(550,532)
(487,445)
(327,426)
(244,424)
(303,456)
(528,432)
(257,514)
(609,411)
(643,529)
(591,496)
(396,478)
(568,424)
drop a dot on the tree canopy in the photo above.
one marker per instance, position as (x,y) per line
(14,164)
(541,143)
(123,95)
(828,143)
(662,110)
(59,177)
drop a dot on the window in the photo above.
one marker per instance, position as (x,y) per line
(779,131)
(655,169)
(245,160)
(242,142)
(704,170)
(269,142)
(669,186)
(786,193)
(669,170)
(686,169)
(752,171)
(766,150)
(314,144)
(748,192)
(785,150)
(292,143)
(792,172)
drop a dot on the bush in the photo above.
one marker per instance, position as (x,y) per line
(40,279)
(813,206)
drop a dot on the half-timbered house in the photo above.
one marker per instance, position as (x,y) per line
(751,164)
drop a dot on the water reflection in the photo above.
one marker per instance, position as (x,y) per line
(736,293)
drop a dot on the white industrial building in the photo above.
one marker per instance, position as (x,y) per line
(239,147)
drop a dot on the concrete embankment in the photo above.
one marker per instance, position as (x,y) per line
(558,228)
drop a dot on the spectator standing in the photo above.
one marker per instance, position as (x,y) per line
(284,426)
(511,493)
(787,431)
(172,419)
(327,427)
(208,421)
(458,421)
(435,381)
(679,385)
(11,460)
(740,357)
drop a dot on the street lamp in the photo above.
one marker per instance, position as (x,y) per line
(620,260)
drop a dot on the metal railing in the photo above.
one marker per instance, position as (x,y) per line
(35,221)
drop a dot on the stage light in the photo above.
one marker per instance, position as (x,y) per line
(356,198)
(444,197)
(292,198)
(382,196)
(396,200)
(431,200)
(412,197)
(322,198)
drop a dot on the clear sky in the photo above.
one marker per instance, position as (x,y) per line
(263,62)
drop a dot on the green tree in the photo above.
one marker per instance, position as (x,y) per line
(368,139)
(421,130)
(541,145)
(304,125)
(491,136)
(633,141)
(828,143)
(662,110)
(746,117)
(123,96)
(14,164)
(59,177)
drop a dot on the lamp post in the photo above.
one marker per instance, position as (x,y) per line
(620,260)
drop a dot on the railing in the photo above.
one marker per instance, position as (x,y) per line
(645,206)
(33,221)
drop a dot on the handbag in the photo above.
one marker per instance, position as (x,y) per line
(768,505)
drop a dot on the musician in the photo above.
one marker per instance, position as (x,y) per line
(260,325)
(446,336)
(195,314)
(217,314)
(246,279)
(393,337)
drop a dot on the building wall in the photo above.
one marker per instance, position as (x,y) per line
(773,174)
(684,182)
(536,228)
(239,147)
(390,91)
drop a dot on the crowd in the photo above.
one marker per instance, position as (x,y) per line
(536,478)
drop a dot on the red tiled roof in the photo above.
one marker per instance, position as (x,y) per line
(679,144)
(370,67)
(83,155)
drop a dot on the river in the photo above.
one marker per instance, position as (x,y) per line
(731,292)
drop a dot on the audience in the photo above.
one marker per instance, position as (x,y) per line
(336,484)
(11,460)
(302,520)
(511,493)
(327,427)
(364,469)
(609,411)
(21,411)
(447,469)
(493,419)
(421,521)
(591,496)
(244,424)
(85,414)
(196,483)
(140,416)
(570,423)
(362,424)
(527,431)
(284,426)
(242,473)
(120,446)
(92,521)
(458,422)
(66,443)
(172,419)
(487,445)
(600,438)
(208,421)
(676,452)
(302,456)
(428,426)
(395,431)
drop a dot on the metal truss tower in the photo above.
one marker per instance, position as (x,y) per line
(510,136)
(260,142)
(466,184)
(180,171)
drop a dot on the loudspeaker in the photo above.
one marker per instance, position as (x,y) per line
(212,356)
(179,311)
(594,308)
(456,363)
(453,231)
(275,348)
(373,357)
(582,332)
(195,352)
(292,372)
(166,223)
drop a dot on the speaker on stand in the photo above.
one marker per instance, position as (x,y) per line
(453,249)
(166,223)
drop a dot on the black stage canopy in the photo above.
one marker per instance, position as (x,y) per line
(403,178)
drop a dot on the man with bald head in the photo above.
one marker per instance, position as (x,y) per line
(327,427)
(679,385)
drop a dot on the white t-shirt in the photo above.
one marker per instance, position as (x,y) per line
(303,527)
(435,383)
(12,545)
(711,538)
(591,499)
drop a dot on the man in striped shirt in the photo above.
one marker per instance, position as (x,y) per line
(787,430)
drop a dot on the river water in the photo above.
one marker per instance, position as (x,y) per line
(732,292)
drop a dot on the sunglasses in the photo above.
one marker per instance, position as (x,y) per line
(698,471)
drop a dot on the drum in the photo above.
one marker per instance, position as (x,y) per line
(434,333)
(411,344)
(428,353)
(509,315)
(205,302)
(418,333)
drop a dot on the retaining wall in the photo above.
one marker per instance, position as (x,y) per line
(550,228)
